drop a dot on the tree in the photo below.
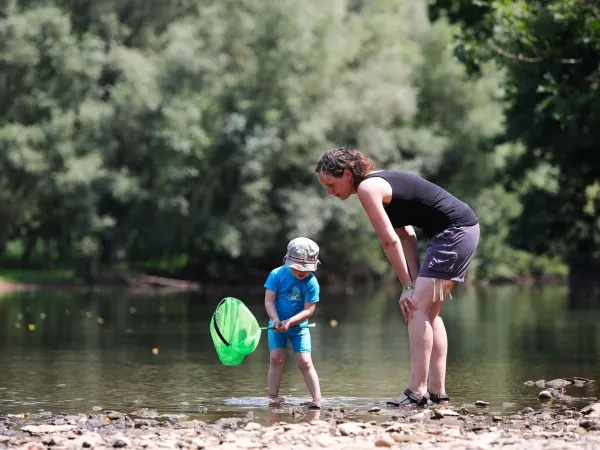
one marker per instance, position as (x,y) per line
(549,51)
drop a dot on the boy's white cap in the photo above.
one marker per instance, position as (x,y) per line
(302,254)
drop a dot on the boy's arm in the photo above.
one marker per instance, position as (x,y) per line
(270,307)
(309,309)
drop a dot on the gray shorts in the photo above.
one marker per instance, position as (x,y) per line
(449,253)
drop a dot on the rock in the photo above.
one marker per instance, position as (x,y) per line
(529,383)
(325,440)
(587,423)
(145,413)
(396,427)
(453,432)
(439,413)
(540,383)
(228,422)
(384,441)
(558,383)
(41,429)
(551,429)
(120,441)
(397,437)
(114,415)
(527,410)
(89,440)
(350,429)
(422,415)
(592,410)
(52,441)
(374,410)
(579,381)
(481,403)
(253,426)
(175,417)
(545,396)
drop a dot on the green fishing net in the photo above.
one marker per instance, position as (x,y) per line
(234,330)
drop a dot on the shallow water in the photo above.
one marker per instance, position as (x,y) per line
(66,352)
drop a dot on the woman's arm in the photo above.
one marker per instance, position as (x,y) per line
(408,239)
(371,193)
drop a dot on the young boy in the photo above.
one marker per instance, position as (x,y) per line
(292,292)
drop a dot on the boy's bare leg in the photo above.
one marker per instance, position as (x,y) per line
(276,361)
(305,364)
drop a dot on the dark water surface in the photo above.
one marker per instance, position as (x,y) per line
(66,352)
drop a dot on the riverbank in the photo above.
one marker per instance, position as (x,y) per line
(62,280)
(468,427)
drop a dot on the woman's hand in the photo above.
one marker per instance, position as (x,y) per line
(407,306)
(275,324)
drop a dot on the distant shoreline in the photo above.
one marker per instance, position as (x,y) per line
(151,284)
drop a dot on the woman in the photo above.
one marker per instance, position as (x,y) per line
(395,202)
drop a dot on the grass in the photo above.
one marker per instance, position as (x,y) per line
(24,276)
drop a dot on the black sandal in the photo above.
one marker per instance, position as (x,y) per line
(439,398)
(410,398)
(312,406)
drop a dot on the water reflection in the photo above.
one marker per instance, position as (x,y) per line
(66,352)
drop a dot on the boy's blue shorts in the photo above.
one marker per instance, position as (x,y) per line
(299,337)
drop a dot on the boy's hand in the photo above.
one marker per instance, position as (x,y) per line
(275,323)
(283,326)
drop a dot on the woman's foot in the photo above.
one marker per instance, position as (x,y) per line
(314,405)
(439,398)
(410,398)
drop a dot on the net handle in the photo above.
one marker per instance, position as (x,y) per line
(306,325)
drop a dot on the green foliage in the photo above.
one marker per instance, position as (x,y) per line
(183,136)
(549,52)
(37,276)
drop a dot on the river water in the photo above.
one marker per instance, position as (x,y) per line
(78,353)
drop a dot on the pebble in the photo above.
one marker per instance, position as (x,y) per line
(410,429)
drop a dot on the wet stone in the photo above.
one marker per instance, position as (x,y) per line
(588,423)
(350,429)
(592,410)
(558,383)
(546,429)
(145,413)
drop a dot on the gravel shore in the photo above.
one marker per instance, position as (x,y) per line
(442,427)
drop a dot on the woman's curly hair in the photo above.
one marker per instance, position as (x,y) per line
(334,161)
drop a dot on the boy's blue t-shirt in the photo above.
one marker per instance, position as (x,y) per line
(291,293)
